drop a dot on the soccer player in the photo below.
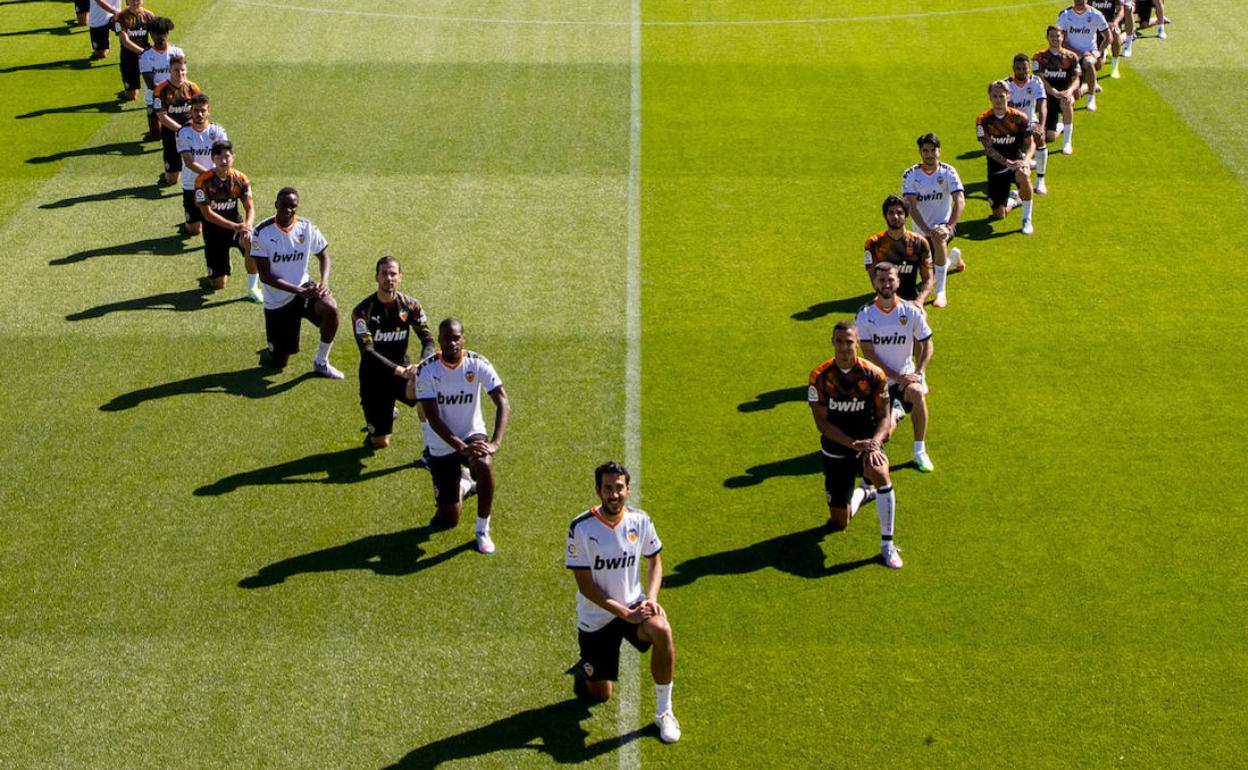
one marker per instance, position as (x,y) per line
(1081,25)
(1145,9)
(904,248)
(383,323)
(194,143)
(281,247)
(154,67)
(448,388)
(1113,11)
(936,197)
(1058,70)
(171,101)
(132,24)
(100,18)
(1028,97)
(891,331)
(220,194)
(849,400)
(1006,136)
(81,9)
(606,546)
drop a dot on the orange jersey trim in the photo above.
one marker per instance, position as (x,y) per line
(597,511)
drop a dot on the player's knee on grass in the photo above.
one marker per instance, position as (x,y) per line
(838,518)
(598,691)
(380,442)
(219,281)
(448,513)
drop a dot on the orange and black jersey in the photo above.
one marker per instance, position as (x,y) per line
(1007,133)
(175,101)
(1108,8)
(1059,69)
(133,24)
(382,331)
(907,253)
(856,400)
(222,195)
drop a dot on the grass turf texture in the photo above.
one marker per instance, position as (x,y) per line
(1071,593)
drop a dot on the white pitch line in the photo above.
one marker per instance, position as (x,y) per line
(593,23)
(630,675)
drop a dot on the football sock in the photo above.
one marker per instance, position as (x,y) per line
(1042,160)
(920,446)
(662,699)
(1027,209)
(322,352)
(886,506)
(465,485)
(253,280)
(483,525)
(1070,132)
(942,274)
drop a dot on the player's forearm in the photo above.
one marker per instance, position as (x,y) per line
(439,427)
(828,430)
(149,79)
(216,219)
(502,415)
(323,258)
(925,356)
(654,577)
(163,119)
(590,590)
(129,44)
(368,351)
(919,221)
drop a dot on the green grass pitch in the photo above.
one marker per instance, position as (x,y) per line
(201,568)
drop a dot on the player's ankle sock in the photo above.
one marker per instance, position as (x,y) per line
(322,352)
(1070,132)
(886,507)
(1027,209)
(942,275)
(483,525)
(1042,160)
(662,699)
(253,280)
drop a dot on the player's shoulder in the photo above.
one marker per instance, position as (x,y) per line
(265,225)
(362,307)
(912,171)
(984,116)
(202,178)
(871,369)
(427,362)
(407,300)
(239,177)
(864,311)
(579,520)
(477,360)
(913,239)
(820,370)
(875,238)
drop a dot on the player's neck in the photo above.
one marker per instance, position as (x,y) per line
(199,126)
(387,297)
(446,360)
(886,304)
(221,171)
(897,234)
(845,366)
(1000,114)
(606,515)
(930,169)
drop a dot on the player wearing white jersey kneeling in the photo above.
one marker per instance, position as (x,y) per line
(447,386)
(891,331)
(936,197)
(1083,27)
(1028,97)
(606,546)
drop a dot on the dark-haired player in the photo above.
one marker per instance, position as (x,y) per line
(131,24)
(1058,70)
(1006,135)
(906,249)
(1114,12)
(849,401)
(281,247)
(154,67)
(223,196)
(448,386)
(383,324)
(606,546)
(101,16)
(1027,95)
(194,142)
(172,102)
(936,197)
(1083,27)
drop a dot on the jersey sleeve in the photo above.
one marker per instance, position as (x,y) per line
(259,249)
(921,330)
(146,65)
(955,181)
(908,186)
(158,96)
(318,241)
(925,251)
(576,555)
(651,544)
(425,390)
(244,185)
(489,377)
(201,194)
(814,391)
(182,141)
(979,128)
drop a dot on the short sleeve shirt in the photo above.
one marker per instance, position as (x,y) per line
(613,554)
(855,399)
(933,193)
(892,333)
(199,145)
(287,252)
(1081,28)
(1025,95)
(457,391)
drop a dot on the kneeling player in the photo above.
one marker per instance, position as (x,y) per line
(1006,135)
(1027,95)
(1058,70)
(849,400)
(606,546)
(220,194)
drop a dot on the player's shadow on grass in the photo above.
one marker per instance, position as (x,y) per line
(122,149)
(773,398)
(62,64)
(344,466)
(164,246)
(972,154)
(247,383)
(112,106)
(553,730)
(61,30)
(987,228)
(395,553)
(797,553)
(831,307)
(172,301)
(803,465)
(146,192)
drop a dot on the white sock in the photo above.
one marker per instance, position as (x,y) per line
(1027,209)
(942,273)
(483,525)
(662,699)
(253,280)
(920,446)
(1070,132)
(465,484)
(322,352)
(886,507)
(1161,28)
(1042,160)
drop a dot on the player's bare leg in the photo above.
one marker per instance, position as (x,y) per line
(379,442)
(1089,63)
(483,469)
(190,229)
(596,691)
(656,630)
(916,397)
(447,514)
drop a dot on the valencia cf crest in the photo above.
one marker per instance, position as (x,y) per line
(470,376)
(403,316)
(632,536)
(904,320)
(940,179)
(588,668)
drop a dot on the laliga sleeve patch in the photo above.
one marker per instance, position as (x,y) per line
(812,394)
(200,198)
(361,327)
(571,549)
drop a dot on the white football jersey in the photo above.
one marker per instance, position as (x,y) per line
(156,64)
(457,390)
(1025,97)
(199,145)
(1081,28)
(287,252)
(933,192)
(613,556)
(893,333)
(98,17)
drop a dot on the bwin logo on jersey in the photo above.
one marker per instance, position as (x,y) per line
(619,562)
(398,336)
(286,257)
(458,398)
(921,197)
(889,339)
(1003,139)
(846,406)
